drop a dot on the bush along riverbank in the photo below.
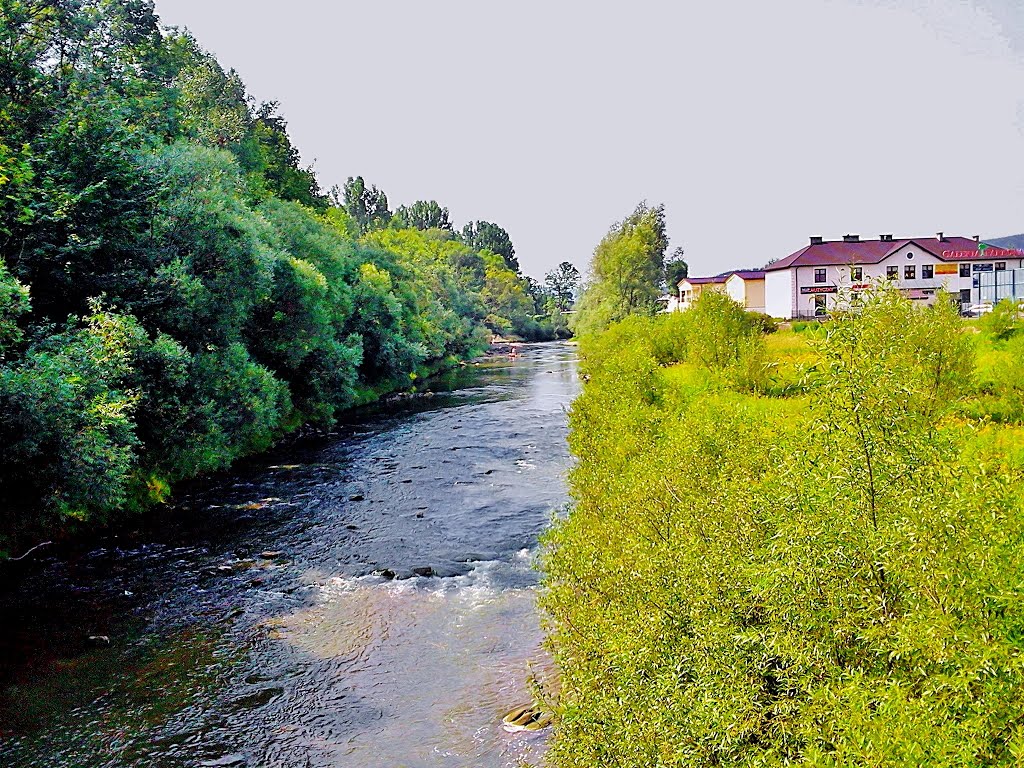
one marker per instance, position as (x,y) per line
(176,291)
(795,548)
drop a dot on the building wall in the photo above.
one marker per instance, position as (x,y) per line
(778,293)
(748,293)
(755,295)
(736,290)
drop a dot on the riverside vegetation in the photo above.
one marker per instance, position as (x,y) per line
(176,291)
(794,548)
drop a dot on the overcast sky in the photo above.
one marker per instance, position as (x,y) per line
(756,123)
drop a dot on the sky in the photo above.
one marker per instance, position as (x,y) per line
(757,124)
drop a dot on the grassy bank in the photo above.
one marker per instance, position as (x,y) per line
(793,547)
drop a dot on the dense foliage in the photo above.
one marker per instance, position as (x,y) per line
(794,549)
(627,271)
(175,289)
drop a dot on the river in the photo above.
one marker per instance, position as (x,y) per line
(364,599)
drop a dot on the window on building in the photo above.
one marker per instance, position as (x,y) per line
(856,274)
(819,306)
(965,270)
(927,271)
(909,272)
(819,275)
(965,295)
(1000,265)
(892,273)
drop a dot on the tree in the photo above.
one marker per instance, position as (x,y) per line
(175,291)
(280,162)
(423,214)
(483,235)
(14,302)
(676,269)
(367,205)
(562,283)
(628,268)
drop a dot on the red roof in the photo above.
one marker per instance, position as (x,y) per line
(704,280)
(746,274)
(874,251)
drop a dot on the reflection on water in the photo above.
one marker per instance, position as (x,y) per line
(364,601)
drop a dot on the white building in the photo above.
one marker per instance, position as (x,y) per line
(746,288)
(808,282)
(690,288)
(668,302)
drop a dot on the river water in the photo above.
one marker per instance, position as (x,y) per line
(366,599)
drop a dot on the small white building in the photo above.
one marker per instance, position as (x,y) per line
(746,288)
(692,287)
(807,283)
(668,302)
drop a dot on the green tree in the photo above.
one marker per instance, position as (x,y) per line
(367,205)
(280,163)
(627,271)
(423,214)
(67,439)
(193,294)
(483,235)
(14,302)
(676,269)
(562,283)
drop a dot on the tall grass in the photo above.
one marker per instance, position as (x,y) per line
(806,549)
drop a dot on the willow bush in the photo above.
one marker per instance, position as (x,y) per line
(831,577)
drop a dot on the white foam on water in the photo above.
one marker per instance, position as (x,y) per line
(486,581)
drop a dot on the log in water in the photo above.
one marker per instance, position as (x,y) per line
(362,601)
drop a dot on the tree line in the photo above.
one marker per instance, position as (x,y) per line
(176,289)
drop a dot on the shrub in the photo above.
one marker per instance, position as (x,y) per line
(828,580)
(763,323)
(1003,321)
(67,439)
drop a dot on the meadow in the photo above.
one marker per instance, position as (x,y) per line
(794,546)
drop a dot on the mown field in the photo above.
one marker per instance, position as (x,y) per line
(794,547)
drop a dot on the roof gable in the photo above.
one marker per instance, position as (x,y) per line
(747,274)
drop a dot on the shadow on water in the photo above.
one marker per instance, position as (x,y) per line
(364,598)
